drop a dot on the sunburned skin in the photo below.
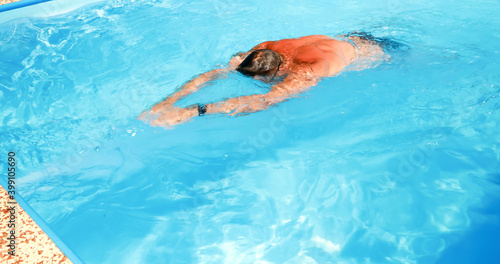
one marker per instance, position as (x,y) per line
(304,61)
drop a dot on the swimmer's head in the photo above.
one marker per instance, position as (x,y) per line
(262,62)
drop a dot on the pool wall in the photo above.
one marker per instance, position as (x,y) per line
(20,4)
(39,8)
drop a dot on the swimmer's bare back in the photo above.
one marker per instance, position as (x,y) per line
(302,63)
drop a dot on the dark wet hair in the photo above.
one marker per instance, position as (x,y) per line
(260,62)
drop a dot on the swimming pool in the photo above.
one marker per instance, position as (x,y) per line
(397,164)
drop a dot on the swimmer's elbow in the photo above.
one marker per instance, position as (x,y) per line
(143,116)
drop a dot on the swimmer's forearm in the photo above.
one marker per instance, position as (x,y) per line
(193,85)
(238,105)
(244,104)
(234,106)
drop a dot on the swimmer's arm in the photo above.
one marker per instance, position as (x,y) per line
(190,87)
(195,84)
(292,85)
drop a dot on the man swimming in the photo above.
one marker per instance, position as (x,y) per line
(299,64)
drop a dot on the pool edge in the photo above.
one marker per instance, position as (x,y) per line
(20,4)
(31,213)
(39,8)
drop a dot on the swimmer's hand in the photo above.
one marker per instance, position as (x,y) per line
(169,116)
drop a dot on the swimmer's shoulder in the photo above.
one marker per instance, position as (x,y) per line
(314,37)
(293,41)
(264,45)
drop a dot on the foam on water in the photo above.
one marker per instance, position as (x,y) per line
(396,164)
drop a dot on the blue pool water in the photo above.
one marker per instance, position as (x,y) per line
(396,164)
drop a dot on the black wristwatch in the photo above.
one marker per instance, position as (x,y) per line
(202,109)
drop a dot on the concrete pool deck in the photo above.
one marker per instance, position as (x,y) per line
(32,245)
